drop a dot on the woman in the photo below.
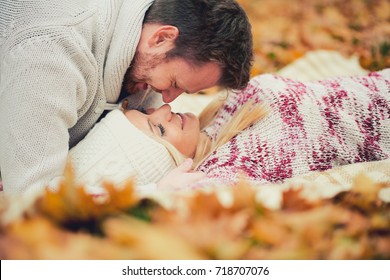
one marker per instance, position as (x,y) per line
(116,150)
(300,127)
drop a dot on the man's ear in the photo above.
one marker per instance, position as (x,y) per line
(162,35)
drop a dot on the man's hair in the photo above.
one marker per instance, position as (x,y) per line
(209,31)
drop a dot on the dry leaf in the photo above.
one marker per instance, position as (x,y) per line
(293,200)
(71,202)
(209,225)
(284,30)
(150,241)
(38,238)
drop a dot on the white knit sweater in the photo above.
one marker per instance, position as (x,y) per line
(60,63)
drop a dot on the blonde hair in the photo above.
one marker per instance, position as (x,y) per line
(243,118)
(178,157)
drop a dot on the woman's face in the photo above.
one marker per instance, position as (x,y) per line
(181,130)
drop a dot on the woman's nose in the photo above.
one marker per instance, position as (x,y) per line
(150,111)
(164,112)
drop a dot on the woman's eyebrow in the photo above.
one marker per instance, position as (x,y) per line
(150,125)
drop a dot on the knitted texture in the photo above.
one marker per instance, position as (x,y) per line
(60,63)
(309,126)
(115,150)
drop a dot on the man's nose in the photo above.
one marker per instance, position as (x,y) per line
(171,94)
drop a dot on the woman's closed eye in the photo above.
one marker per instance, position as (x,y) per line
(156,129)
(161,128)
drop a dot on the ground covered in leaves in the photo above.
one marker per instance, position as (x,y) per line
(284,30)
(70,224)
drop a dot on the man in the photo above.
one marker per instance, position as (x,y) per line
(64,62)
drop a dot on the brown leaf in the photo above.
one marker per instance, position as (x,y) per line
(209,225)
(367,187)
(347,248)
(150,241)
(294,201)
(38,238)
(363,195)
(270,231)
(72,202)
(284,30)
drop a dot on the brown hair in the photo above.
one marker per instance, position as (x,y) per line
(209,31)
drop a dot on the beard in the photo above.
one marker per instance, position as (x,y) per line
(140,70)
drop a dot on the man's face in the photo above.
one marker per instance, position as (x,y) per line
(169,77)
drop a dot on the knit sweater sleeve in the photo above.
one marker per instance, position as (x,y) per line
(312,126)
(42,87)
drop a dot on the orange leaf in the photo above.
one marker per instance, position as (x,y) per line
(72,202)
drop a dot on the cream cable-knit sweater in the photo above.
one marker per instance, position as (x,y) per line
(60,63)
(310,126)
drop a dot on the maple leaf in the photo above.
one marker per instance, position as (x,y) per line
(71,202)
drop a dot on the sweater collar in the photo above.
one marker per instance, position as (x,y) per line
(124,41)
